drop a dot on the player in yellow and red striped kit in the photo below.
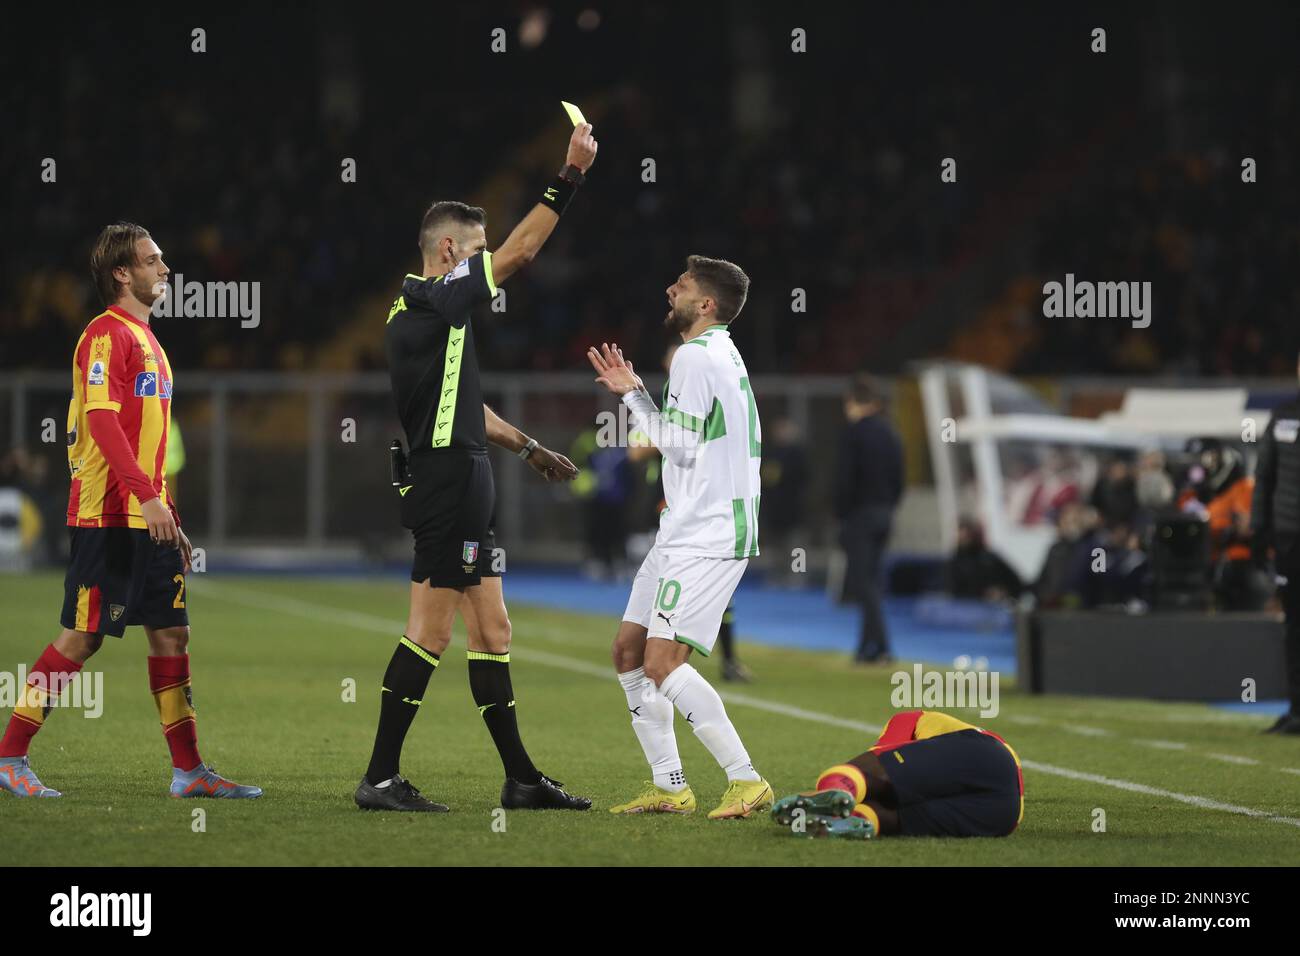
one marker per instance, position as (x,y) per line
(927,775)
(129,555)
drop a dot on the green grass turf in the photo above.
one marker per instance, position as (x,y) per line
(270,655)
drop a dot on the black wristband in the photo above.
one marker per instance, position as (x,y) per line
(573,174)
(558,195)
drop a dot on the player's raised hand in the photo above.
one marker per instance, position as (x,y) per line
(613,371)
(582,147)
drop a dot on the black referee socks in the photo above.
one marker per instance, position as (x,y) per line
(489,682)
(405,682)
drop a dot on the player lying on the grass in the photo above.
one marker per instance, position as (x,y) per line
(129,554)
(449,497)
(929,774)
(708,432)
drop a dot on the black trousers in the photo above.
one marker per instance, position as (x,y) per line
(863,537)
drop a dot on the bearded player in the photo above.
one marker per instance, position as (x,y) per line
(708,432)
(928,775)
(129,554)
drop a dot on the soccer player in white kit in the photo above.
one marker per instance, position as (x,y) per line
(709,435)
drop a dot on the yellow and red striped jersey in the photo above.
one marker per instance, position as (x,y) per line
(909,726)
(117,365)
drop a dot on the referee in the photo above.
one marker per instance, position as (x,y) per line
(1275,520)
(448,497)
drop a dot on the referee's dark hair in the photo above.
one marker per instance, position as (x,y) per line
(444,211)
(724,281)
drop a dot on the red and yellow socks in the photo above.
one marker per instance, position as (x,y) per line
(868,814)
(47,678)
(169,679)
(844,776)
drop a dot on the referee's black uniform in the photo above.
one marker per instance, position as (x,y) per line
(1275,520)
(448,499)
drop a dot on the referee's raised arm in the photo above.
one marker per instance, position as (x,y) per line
(535,228)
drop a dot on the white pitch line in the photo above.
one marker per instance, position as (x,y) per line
(1290,770)
(370,622)
(1203,802)
(1083,731)
(1162,744)
(1233,758)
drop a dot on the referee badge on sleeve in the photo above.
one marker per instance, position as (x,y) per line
(462,269)
(470,554)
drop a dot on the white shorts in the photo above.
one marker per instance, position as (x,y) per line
(682,597)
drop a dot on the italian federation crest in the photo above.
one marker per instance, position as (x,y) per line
(470,553)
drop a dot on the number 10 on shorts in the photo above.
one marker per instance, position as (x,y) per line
(667,596)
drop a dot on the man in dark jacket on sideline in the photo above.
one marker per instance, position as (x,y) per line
(1275,520)
(868,486)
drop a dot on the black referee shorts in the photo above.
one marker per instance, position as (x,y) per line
(117,577)
(959,784)
(448,508)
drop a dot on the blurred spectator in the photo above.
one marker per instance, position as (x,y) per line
(1041,491)
(1154,490)
(1063,581)
(1275,522)
(1220,493)
(174,462)
(868,485)
(1123,577)
(975,571)
(34,514)
(785,476)
(1115,494)
(605,483)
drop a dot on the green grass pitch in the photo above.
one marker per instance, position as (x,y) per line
(1179,784)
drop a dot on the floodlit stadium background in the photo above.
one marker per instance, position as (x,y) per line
(816,171)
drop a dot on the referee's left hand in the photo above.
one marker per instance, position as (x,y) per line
(552,465)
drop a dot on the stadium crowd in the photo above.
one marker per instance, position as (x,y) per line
(841,200)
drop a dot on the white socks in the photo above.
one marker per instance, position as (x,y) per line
(703,710)
(652,719)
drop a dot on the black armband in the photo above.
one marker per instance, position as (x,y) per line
(559,194)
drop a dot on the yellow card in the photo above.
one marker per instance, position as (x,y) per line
(575,114)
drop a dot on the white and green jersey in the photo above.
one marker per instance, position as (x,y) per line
(709,435)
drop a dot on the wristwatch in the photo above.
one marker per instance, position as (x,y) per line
(528,449)
(573,174)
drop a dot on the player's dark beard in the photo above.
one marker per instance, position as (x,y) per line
(148,292)
(678,320)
